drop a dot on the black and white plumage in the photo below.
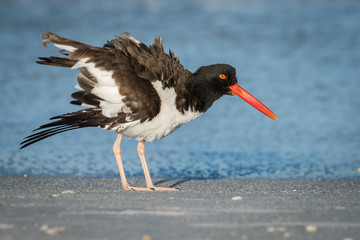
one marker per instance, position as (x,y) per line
(136,90)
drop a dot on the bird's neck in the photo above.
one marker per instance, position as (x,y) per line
(199,95)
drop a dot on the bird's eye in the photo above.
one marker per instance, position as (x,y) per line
(222,76)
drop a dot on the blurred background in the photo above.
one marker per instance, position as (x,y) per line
(300,58)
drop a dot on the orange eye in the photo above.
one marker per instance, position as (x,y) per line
(222,76)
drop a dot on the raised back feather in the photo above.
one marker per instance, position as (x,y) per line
(157,65)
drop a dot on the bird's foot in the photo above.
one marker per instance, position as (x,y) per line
(129,188)
(139,189)
(165,189)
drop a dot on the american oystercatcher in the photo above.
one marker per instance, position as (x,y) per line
(139,91)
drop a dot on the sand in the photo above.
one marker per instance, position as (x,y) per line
(97,208)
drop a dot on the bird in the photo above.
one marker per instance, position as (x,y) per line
(136,90)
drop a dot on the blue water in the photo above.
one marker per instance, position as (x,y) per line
(301,58)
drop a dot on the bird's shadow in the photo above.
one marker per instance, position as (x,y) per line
(175,184)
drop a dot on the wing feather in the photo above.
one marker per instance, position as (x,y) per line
(115,81)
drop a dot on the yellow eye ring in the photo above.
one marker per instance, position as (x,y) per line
(222,76)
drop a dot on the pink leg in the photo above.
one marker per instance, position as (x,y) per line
(149,183)
(117,152)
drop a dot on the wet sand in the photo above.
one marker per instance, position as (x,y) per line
(97,208)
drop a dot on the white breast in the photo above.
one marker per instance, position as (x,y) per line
(168,120)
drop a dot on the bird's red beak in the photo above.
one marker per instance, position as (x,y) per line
(250,99)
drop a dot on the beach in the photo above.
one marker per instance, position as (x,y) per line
(97,208)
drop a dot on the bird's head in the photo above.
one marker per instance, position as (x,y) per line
(221,78)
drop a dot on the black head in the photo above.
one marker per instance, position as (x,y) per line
(218,78)
(211,82)
(208,84)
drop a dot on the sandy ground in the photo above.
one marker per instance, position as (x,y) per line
(97,208)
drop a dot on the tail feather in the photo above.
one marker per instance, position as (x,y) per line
(45,134)
(56,61)
(66,122)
